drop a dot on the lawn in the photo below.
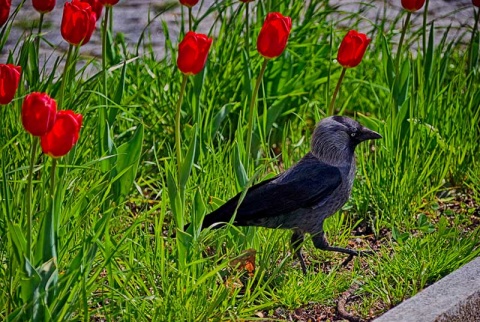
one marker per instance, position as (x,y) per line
(97,233)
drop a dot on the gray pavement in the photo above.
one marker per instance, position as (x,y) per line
(132,16)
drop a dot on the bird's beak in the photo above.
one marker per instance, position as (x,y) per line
(367,134)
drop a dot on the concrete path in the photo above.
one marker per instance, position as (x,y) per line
(132,16)
(456,297)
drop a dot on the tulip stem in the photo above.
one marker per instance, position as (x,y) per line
(28,198)
(102,112)
(104,52)
(37,39)
(424,28)
(252,108)
(178,143)
(65,77)
(337,89)
(402,37)
(52,179)
(247,32)
(190,19)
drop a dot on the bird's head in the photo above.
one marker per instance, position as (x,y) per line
(335,138)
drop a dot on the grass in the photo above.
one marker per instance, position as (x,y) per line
(415,200)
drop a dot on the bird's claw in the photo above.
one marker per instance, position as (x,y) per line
(366,252)
(360,253)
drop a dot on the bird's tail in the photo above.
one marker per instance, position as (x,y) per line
(218,218)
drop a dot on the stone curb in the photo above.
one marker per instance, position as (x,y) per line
(456,297)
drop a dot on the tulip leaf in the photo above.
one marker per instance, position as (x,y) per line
(429,54)
(198,81)
(46,239)
(400,89)
(128,158)
(184,242)
(186,167)
(19,242)
(111,54)
(388,62)
(247,75)
(175,200)
(198,212)
(29,61)
(220,117)
(240,173)
(117,98)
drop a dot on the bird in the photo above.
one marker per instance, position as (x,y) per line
(302,197)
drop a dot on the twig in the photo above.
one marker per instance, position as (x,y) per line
(342,312)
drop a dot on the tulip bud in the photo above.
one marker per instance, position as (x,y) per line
(38,113)
(63,135)
(193,52)
(273,37)
(476,3)
(78,22)
(189,3)
(109,2)
(4,11)
(97,7)
(352,49)
(9,79)
(43,6)
(412,5)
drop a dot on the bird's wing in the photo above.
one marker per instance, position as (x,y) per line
(304,185)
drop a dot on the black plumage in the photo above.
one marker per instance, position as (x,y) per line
(302,197)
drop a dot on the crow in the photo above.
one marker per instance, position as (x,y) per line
(302,197)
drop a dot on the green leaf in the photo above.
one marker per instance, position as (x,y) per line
(240,173)
(117,98)
(29,286)
(46,247)
(175,200)
(186,167)
(111,54)
(19,242)
(388,62)
(198,212)
(220,117)
(128,158)
(399,237)
(400,88)
(429,54)
(247,75)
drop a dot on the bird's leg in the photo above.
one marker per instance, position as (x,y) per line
(296,242)
(320,242)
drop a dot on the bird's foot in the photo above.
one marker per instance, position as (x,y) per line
(360,253)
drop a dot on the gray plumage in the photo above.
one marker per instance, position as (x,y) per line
(302,197)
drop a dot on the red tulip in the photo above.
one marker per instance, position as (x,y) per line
(9,79)
(476,3)
(273,37)
(78,22)
(245,1)
(193,52)
(189,3)
(43,6)
(109,2)
(4,11)
(38,113)
(412,5)
(97,7)
(352,49)
(64,134)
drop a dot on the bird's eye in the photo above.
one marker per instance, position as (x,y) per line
(353,134)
